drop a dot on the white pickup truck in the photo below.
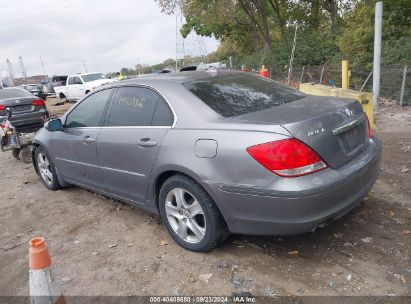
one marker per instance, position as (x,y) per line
(79,85)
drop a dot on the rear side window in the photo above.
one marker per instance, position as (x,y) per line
(135,106)
(238,94)
(89,113)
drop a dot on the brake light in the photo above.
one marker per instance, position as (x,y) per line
(368,125)
(38,103)
(2,108)
(287,158)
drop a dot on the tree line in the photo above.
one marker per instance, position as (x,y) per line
(262,31)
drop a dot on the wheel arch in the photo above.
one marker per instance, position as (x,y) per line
(34,146)
(165,174)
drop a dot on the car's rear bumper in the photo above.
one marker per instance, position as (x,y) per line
(28,122)
(301,204)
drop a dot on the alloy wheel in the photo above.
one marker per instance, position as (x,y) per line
(44,168)
(185,215)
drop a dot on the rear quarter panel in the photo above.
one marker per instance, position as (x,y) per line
(232,165)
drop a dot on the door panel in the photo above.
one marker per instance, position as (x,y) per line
(75,147)
(76,156)
(126,156)
(128,143)
(74,87)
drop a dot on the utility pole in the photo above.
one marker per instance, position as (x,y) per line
(42,65)
(23,69)
(84,63)
(377,54)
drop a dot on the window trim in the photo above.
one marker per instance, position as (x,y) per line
(114,88)
(102,120)
(161,95)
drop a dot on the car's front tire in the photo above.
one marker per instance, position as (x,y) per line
(46,169)
(190,215)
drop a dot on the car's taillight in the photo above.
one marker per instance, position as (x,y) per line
(2,108)
(368,125)
(38,103)
(287,158)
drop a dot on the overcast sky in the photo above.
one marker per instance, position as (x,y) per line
(107,34)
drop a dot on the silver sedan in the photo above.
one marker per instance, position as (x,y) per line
(215,153)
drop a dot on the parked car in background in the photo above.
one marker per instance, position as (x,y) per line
(214,153)
(29,111)
(53,81)
(79,85)
(35,89)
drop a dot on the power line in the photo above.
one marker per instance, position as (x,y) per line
(44,12)
(57,17)
(19,13)
(12,3)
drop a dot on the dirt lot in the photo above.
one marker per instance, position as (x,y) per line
(102,247)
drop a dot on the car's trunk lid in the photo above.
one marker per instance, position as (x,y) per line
(19,105)
(335,128)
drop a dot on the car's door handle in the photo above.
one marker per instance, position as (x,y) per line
(88,140)
(146,142)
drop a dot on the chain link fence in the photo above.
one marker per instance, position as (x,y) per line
(392,77)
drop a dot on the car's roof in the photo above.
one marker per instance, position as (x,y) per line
(177,77)
(81,74)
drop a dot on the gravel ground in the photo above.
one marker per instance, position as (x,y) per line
(100,246)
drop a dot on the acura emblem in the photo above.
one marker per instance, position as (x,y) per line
(349,112)
(17,101)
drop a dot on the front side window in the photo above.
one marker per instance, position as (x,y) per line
(89,113)
(134,106)
(70,81)
(77,80)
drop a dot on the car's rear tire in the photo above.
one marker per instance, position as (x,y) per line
(15,153)
(63,98)
(46,169)
(190,215)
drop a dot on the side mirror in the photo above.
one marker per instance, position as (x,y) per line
(53,125)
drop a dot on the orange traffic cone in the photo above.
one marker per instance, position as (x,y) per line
(43,286)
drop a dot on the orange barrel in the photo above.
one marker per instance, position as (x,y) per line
(264,72)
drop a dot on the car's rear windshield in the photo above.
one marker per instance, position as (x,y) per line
(13,93)
(239,94)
